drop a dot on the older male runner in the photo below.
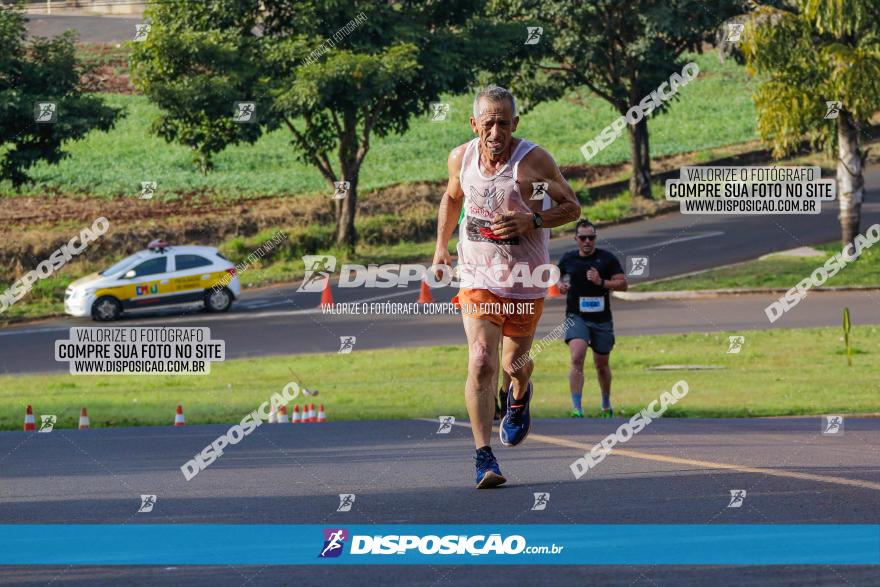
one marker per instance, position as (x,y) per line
(505,185)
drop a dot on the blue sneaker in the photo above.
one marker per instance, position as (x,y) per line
(516,423)
(488,473)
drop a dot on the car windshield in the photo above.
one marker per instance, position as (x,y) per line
(121,266)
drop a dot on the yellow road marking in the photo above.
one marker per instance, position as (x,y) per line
(635,454)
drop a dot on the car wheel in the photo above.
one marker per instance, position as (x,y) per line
(218,300)
(106,308)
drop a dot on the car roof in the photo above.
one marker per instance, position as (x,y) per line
(175,250)
(179,250)
(191,250)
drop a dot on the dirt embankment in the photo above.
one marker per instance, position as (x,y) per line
(37,226)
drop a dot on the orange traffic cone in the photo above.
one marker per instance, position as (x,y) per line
(282,415)
(425,293)
(312,413)
(178,417)
(322,415)
(295,418)
(83,419)
(553,291)
(29,424)
(273,416)
(327,296)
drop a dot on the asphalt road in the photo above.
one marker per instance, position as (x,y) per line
(403,472)
(284,332)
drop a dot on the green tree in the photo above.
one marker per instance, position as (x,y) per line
(621,51)
(806,54)
(45,71)
(331,91)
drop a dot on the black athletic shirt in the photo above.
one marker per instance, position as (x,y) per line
(576,266)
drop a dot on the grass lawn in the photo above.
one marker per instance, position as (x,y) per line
(714,110)
(778,372)
(777,271)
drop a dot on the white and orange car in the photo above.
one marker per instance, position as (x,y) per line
(160,275)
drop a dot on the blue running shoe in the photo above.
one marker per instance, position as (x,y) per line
(488,473)
(516,423)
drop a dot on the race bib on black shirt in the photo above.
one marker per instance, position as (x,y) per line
(591,305)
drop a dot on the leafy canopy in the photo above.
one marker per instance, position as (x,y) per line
(200,57)
(42,70)
(807,54)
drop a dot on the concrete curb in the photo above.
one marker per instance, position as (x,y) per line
(639,296)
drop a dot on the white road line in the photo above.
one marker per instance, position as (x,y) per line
(679,240)
(34,330)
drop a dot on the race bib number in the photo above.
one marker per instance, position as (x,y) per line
(590,304)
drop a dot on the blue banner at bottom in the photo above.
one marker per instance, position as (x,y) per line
(279,544)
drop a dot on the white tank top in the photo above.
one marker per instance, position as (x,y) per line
(503,266)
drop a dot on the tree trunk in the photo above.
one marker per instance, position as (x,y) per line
(346,237)
(350,164)
(850,181)
(640,182)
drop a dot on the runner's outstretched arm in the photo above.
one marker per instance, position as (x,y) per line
(617,283)
(450,208)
